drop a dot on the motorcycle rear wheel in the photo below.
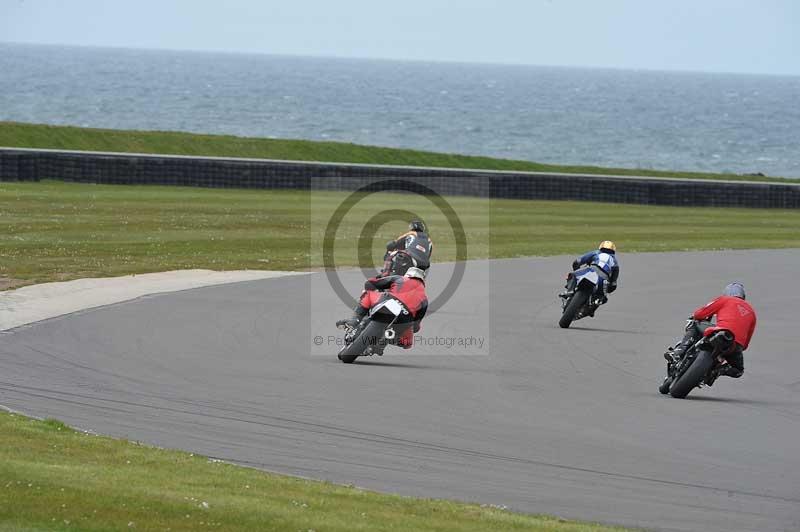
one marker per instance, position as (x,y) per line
(577,302)
(371,334)
(693,375)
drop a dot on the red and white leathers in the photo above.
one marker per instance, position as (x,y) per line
(408,290)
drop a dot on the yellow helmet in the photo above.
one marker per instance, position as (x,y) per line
(607,244)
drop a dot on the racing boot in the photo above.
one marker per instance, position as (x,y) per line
(675,354)
(358,314)
(681,347)
(352,323)
(594,305)
(726,370)
(670,356)
(569,287)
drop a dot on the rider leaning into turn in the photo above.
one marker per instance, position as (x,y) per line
(733,314)
(409,289)
(604,261)
(415,243)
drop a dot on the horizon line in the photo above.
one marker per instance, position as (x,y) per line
(397,59)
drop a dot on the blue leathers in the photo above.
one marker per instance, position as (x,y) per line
(604,261)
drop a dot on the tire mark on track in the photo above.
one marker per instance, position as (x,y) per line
(367,437)
(62,358)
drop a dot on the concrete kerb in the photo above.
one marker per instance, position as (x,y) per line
(31,304)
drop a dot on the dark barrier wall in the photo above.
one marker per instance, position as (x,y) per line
(91,167)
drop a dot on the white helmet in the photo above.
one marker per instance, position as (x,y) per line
(415,273)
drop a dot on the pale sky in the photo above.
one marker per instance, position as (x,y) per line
(754,36)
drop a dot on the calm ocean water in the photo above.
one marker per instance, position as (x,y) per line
(637,119)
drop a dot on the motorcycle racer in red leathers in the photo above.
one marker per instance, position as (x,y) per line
(409,289)
(733,314)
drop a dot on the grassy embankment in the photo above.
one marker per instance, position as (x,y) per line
(14,134)
(57,231)
(54,478)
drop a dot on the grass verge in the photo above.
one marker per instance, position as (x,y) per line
(53,231)
(55,478)
(20,135)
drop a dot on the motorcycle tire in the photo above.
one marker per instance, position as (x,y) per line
(693,375)
(577,302)
(369,336)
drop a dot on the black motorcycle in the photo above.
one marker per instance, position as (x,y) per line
(699,365)
(385,322)
(580,298)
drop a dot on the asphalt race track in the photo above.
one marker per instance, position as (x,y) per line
(543,420)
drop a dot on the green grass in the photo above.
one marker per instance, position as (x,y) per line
(54,478)
(56,231)
(14,134)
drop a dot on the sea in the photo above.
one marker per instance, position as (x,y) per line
(641,119)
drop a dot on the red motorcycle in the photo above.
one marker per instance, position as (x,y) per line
(388,322)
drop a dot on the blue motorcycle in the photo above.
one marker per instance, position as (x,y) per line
(582,295)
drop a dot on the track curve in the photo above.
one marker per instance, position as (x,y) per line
(566,422)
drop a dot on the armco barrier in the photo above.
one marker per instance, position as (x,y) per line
(122,168)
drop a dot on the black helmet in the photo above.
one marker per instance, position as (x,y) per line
(734,290)
(417,225)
